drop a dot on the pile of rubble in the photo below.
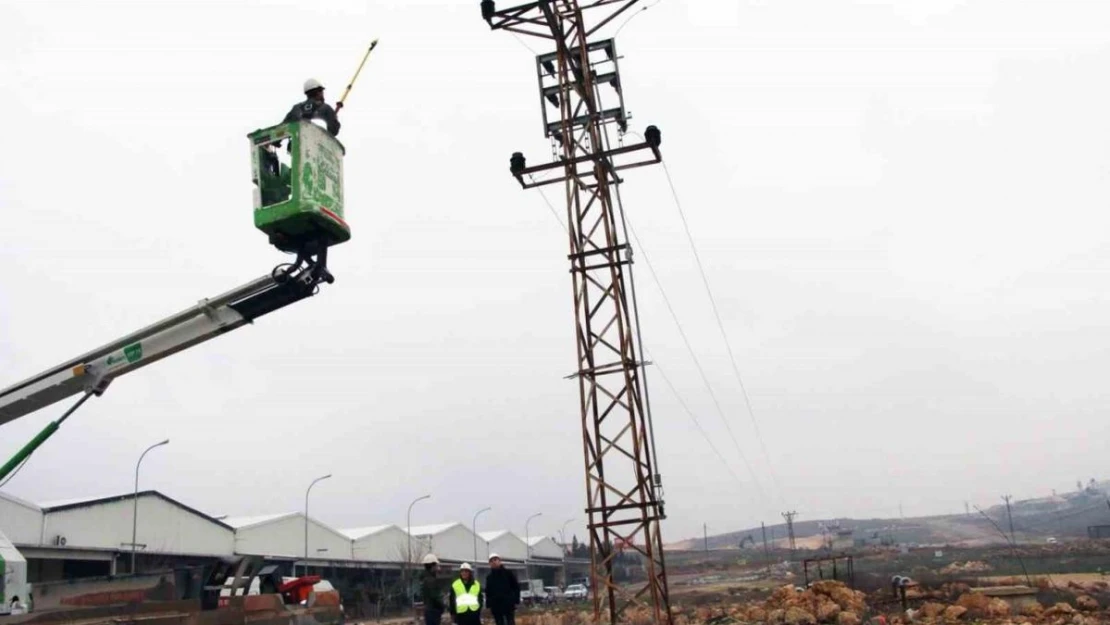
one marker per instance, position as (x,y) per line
(964,568)
(827,602)
(1092,587)
(978,608)
(833,603)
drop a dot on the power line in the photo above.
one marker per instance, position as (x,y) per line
(681,331)
(721,327)
(693,356)
(697,423)
(525,44)
(634,15)
(685,338)
(550,207)
(1009,540)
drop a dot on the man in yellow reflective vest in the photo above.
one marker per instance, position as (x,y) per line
(466,598)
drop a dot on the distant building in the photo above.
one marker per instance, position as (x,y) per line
(91,537)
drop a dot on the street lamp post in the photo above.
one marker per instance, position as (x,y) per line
(563,537)
(474,530)
(135,503)
(408,561)
(528,545)
(306,492)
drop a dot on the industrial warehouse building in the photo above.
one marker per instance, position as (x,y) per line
(451,542)
(282,536)
(92,537)
(505,544)
(544,548)
(379,543)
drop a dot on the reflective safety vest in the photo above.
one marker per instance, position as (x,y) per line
(466,600)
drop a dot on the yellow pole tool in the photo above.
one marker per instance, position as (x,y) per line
(347,91)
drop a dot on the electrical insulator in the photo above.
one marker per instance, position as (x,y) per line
(516,163)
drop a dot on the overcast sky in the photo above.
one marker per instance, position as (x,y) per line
(901,208)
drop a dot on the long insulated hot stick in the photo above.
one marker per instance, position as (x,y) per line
(347,91)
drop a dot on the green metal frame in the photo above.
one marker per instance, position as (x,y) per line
(301,203)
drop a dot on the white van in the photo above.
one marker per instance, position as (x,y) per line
(15,592)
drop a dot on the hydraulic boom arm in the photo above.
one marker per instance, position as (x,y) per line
(298,204)
(92,372)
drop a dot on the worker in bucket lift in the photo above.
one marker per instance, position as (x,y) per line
(275,183)
(466,598)
(314,107)
(431,591)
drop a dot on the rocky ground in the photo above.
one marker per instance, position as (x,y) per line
(833,603)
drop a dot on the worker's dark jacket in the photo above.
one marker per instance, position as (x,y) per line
(311,109)
(466,618)
(431,592)
(502,590)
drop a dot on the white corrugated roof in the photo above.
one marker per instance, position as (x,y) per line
(494,535)
(239,522)
(20,502)
(355,533)
(431,530)
(535,540)
(58,503)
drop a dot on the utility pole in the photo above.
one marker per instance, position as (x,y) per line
(705,533)
(766,551)
(789,516)
(1010,516)
(580,80)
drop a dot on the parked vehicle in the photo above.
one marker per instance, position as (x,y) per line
(533,591)
(576,592)
(554,594)
(531,597)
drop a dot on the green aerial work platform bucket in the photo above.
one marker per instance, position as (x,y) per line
(298,193)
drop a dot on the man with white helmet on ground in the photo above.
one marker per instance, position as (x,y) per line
(466,598)
(431,591)
(502,592)
(314,107)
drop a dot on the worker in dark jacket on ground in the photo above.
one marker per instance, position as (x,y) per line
(431,591)
(466,598)
(502,592)
(314,107)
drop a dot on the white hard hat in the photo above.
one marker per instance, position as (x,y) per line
(465,566)
(430,559)
(493,556)
(312,84)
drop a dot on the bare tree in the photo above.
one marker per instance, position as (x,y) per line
(409,565)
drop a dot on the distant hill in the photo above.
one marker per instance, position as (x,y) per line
(1061,516)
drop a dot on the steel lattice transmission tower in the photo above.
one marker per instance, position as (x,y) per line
(789,516)
(624,502)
